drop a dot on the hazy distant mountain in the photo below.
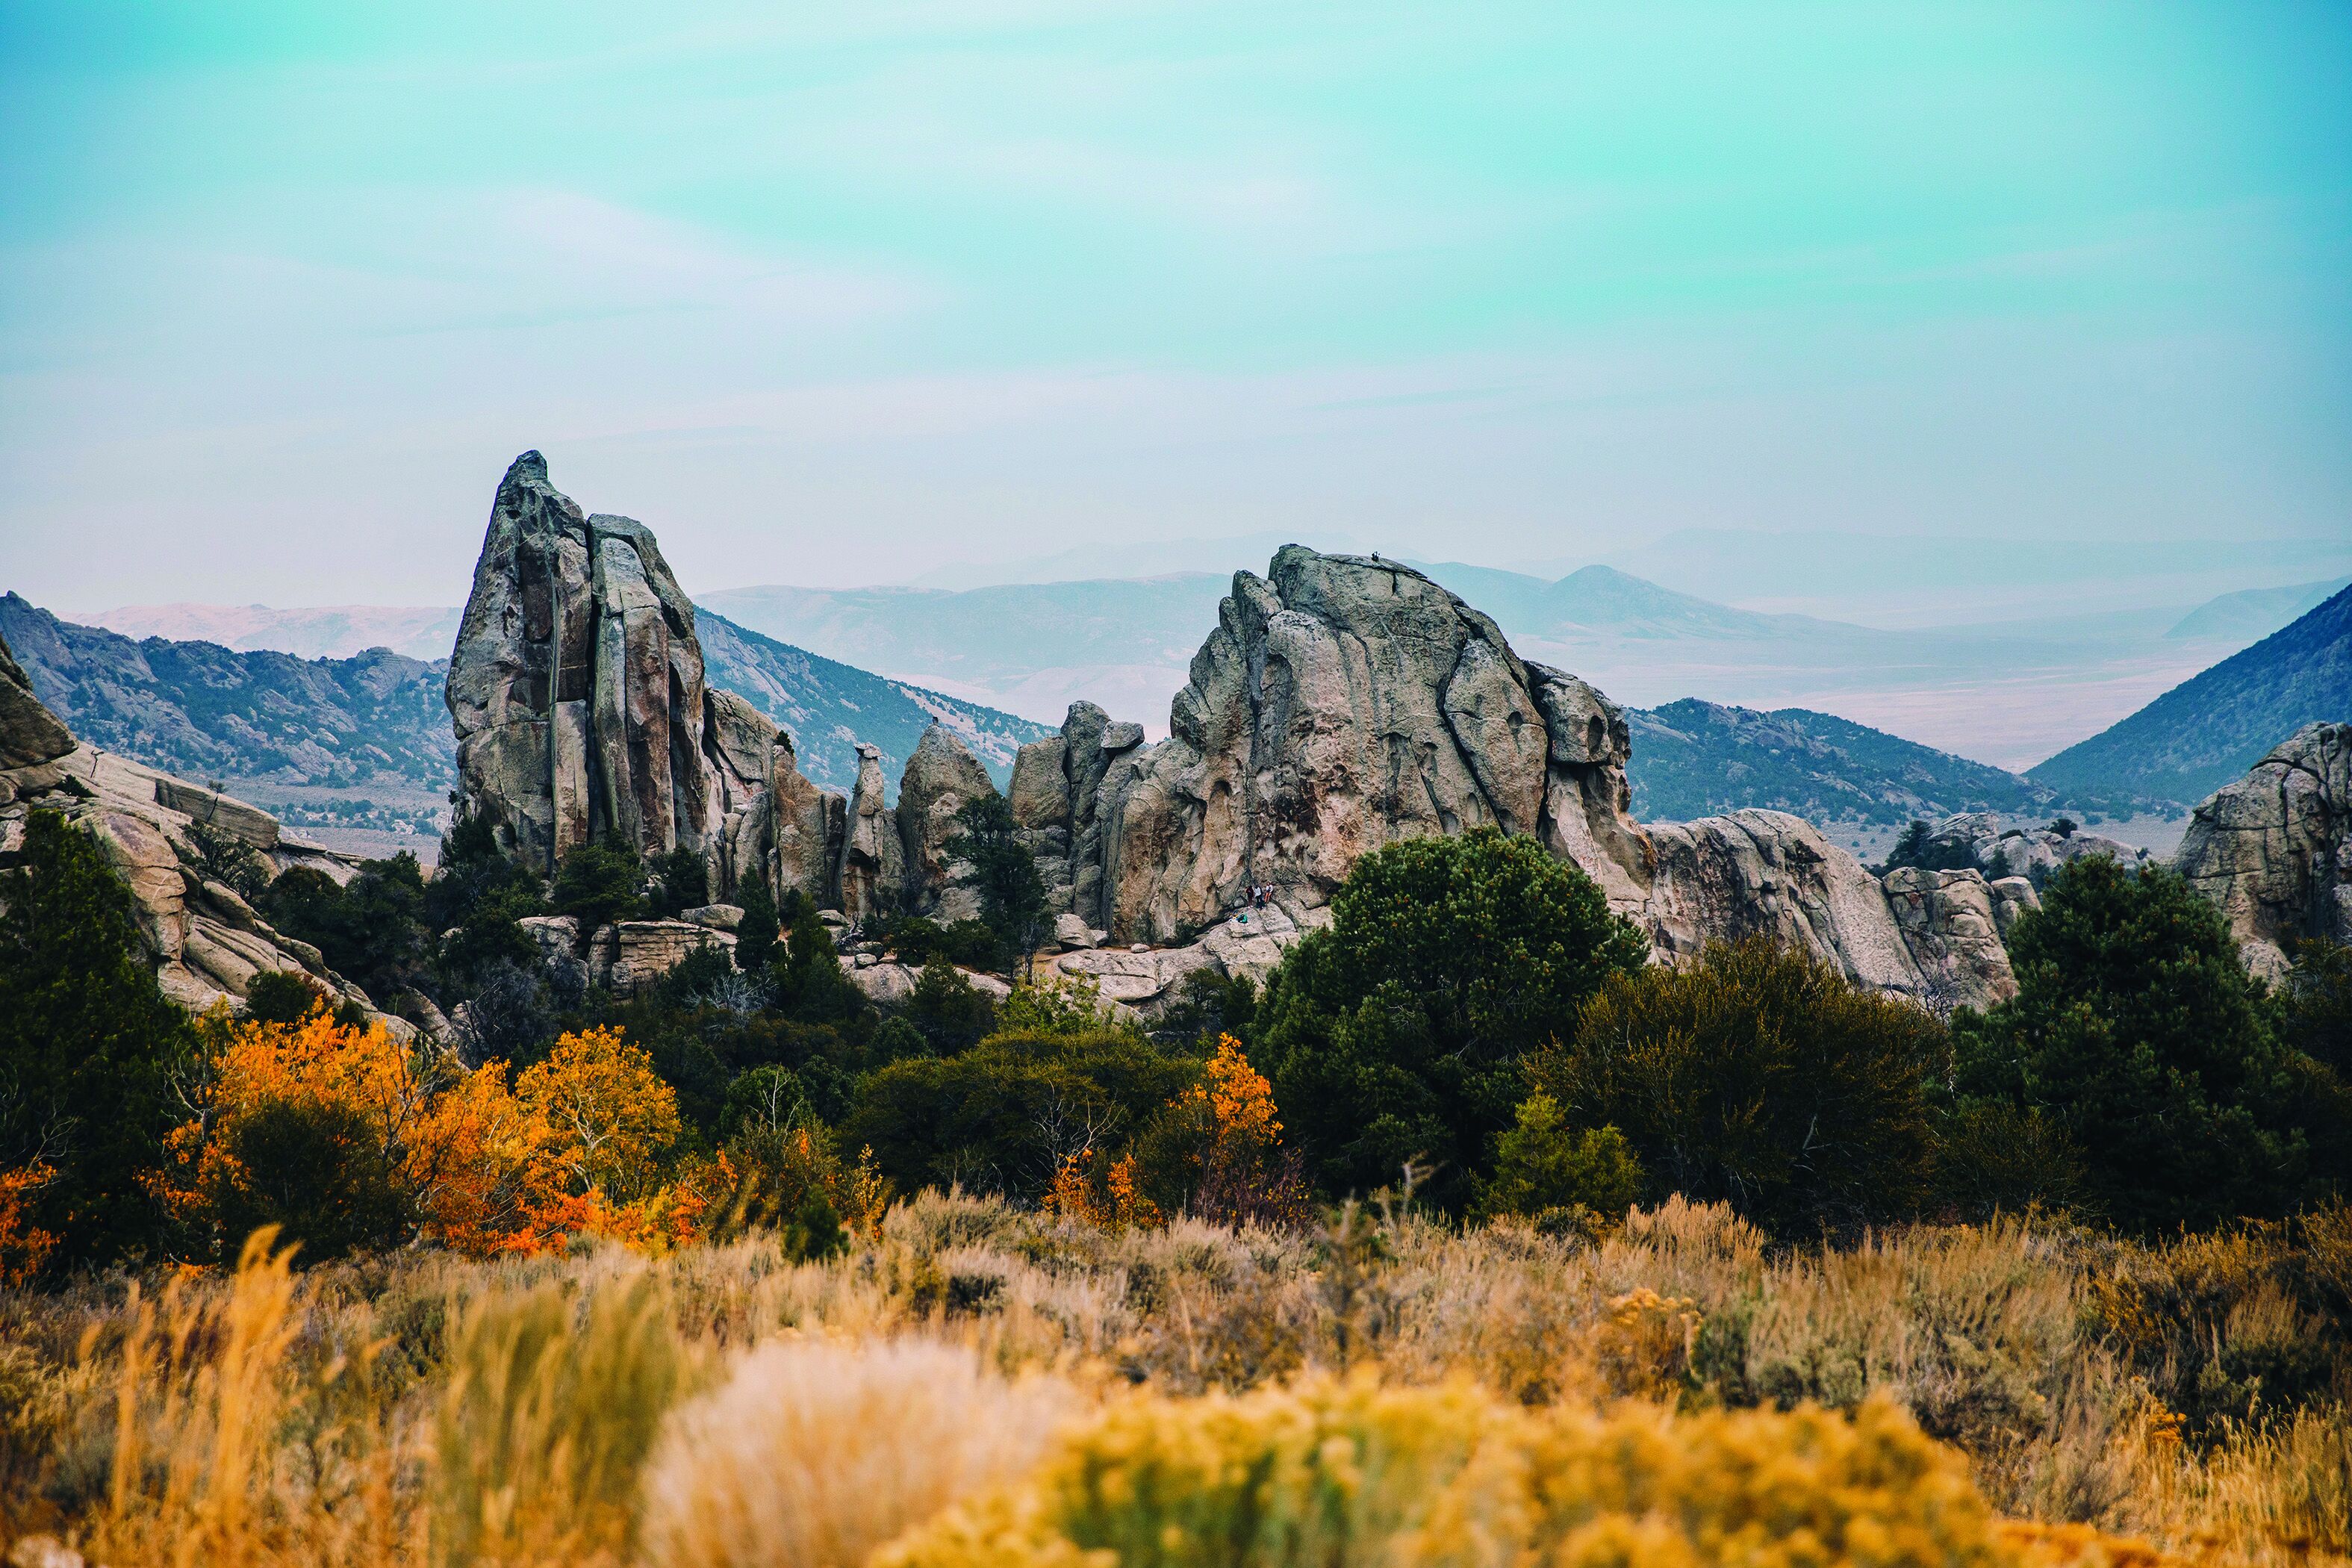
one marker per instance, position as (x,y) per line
(328,631)
(2203,733)
(1694,758)
(829,707)
(207,712)
(1219,558)
(2257,613)
(1952,578)
(1030,646)
(1603,599)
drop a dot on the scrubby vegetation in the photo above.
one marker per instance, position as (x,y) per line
(967,1381)
(1475,1238)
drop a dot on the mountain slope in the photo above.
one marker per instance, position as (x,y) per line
(1694,759)
(2209,730)
(829,707)
(2253,613)
(206,712)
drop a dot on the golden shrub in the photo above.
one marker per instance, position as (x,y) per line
(1339,1472)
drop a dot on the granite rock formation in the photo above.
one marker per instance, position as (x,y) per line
(1345,702)
(873,865)
(2033,853)
(2273,850)
(576,688)
(207,943)
(941,777)
(1056,799)
(29,733)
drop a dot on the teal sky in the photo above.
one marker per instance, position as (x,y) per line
(282,288)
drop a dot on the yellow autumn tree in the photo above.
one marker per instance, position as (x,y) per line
(1217,1149)
(612,1114)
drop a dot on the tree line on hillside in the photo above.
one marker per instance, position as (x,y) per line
(1473,1026)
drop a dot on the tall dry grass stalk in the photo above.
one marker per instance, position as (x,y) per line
(551,1408)
(816,1452)
(222,1454)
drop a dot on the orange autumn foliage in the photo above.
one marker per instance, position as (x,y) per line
(1111,1199)
(23,1245)
(1239,1100)
(489,1168)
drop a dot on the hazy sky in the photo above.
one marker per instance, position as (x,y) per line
(283,288)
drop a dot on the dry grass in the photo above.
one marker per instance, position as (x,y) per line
(816,1452)
(720,1405)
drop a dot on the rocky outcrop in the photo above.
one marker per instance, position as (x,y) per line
(207,942)
(1346,703)
(576,688)
(1341,703)
(627,957)
(2033,853)
(941,777)
(873,865)
(29,733)
(1952,924)
(807,826)
(1055,798)
(1766,873)
(2273,850)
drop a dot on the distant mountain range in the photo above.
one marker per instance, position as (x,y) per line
(378,721)
(203,710)
(1694,758)
(327,631)
(2205,732)
(808,658)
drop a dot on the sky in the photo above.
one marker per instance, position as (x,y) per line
(837,294)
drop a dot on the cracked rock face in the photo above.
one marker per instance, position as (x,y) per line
(938,779)
(576,688)
(1344,702)
(2275,849)
(873,864)
(29,733)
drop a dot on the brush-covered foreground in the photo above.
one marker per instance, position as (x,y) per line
(972,1384)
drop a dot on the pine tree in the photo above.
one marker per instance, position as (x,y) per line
(88,1045)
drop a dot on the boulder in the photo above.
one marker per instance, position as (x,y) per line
(628,957)
(1070,931)
(941,776)
(716,917)
(218,812)
(1145,981)
(2033,853)
(2273,850)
